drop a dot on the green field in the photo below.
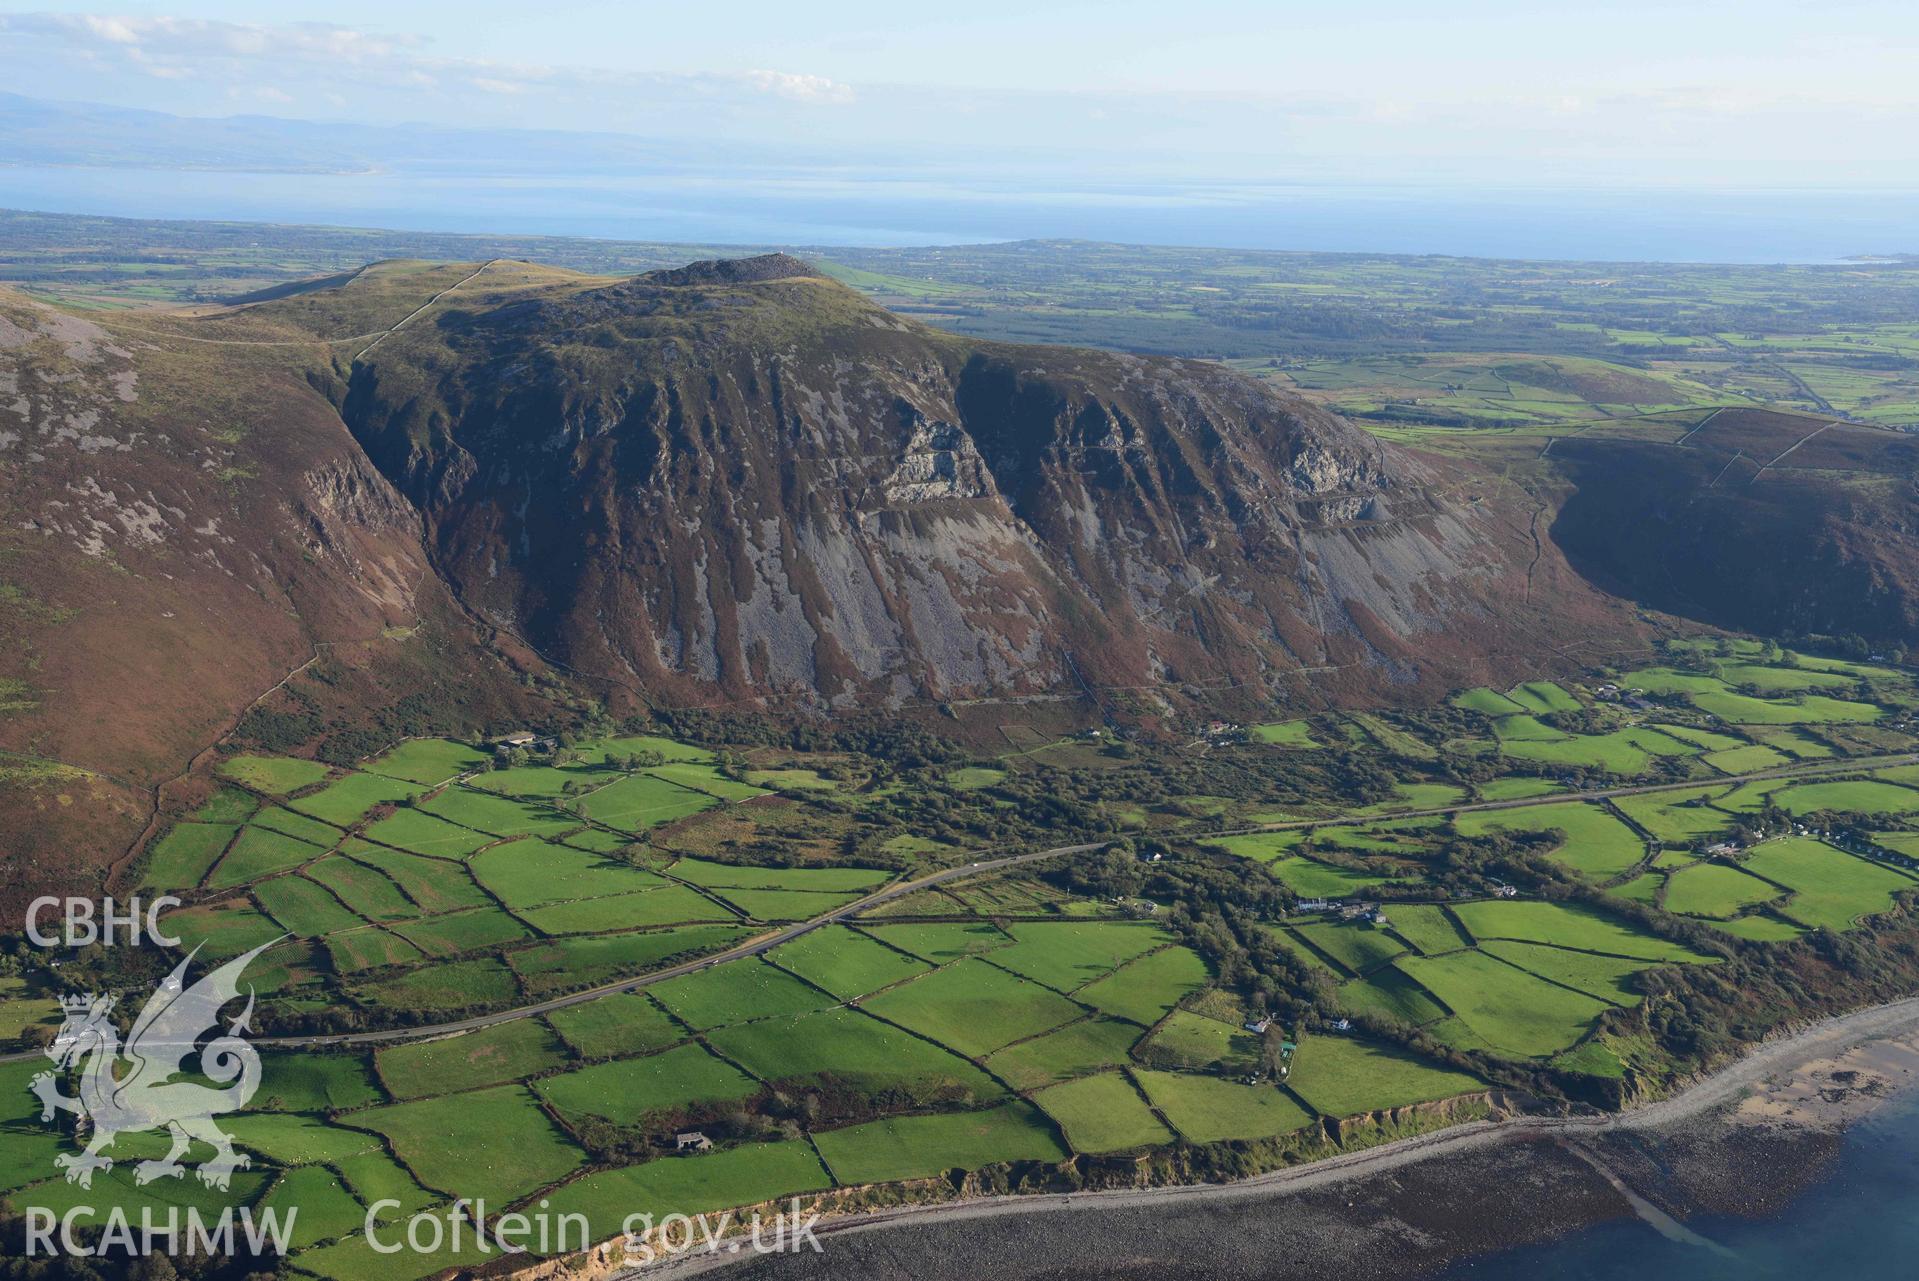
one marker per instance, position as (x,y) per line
(818,880)
(365,949)
(1512,1010)
(1543,697)
(1830,890)
(1357,947)
(1340,1076)
(422,833)
(915,1147)
(1074,1050)
(1705,738)
(1389,994)
(1069,955)
(1283,734)
(1427,927)
(1808,709)
(1747,760)
(973,1007)
(707,779)
(1591,840)
(1146,989)
(1607,977)
(1624,752)
(226,805)
(1206,1109)
(939,941)
(366,890)
(277,775)
(427,760)
(669,905)
(258,852)
(309,1082)
(496,815)
(528,873)
(179,859)
(637,802)
(1309,878)
(611,1026)
(1102,1113)
(855,1050)
(784,905)
(845,962)
(305,909)
(1194,1041)
(1856,796)
(605,750)
(489,1056)
(290,1139)
(1713,889)
(452,986)
(460,932)
(1566,925)
(629,1090)
(1516,789)
(494,1143)
(322,1206)
(1761,929)
(1487,702)
(298,826)
(736,992)
(435,885)
(582,962)
(745,1175)
(1677,818)
(345,802)
(222,929)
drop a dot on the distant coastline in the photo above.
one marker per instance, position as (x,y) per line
(802,206)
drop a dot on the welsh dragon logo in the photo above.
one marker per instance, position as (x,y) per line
(136,1087)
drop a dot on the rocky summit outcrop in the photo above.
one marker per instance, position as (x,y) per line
(744,480)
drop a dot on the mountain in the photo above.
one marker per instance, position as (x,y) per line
(443,492)
(738,480)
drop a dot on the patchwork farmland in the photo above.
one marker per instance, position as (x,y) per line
(1247,956)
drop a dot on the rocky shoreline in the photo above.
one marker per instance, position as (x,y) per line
(1743,1142)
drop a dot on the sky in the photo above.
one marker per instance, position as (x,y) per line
(1682,94)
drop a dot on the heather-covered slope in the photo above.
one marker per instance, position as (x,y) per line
(743,479)
(182,522)
(1765,522)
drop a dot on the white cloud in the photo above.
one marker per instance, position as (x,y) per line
(190,38)
(800,88)
(175,48)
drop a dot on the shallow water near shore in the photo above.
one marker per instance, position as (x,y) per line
(1859,1221)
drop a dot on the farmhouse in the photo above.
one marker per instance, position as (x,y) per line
(691,1141)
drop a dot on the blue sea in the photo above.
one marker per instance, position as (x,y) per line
(804,207)
(1861,1223)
